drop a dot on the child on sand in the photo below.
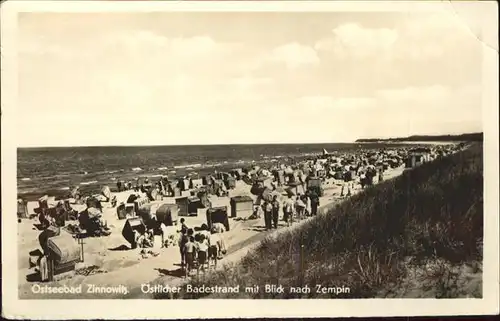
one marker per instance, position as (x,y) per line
(300,207)
(288,210)
(189,250)
(202,248)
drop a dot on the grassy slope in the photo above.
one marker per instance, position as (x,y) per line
(369,243)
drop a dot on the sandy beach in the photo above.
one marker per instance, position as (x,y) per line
(114,264)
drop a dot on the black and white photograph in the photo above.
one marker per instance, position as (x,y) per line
(302,153)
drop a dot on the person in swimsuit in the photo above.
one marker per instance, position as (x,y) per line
(183,240)
(215,247)
(213,250)
(202,250)
(189,249)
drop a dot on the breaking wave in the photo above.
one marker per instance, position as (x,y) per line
(88,183)
(188,166)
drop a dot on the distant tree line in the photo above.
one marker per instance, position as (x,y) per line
(427,138)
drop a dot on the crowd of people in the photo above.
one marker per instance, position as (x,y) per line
(202,248)
(294,208)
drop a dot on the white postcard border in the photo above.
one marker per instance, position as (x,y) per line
(124,309)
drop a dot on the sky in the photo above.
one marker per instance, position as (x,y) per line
(173,78)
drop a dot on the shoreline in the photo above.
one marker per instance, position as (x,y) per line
(236,252)
(91,181)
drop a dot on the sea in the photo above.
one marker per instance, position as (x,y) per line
(53,171)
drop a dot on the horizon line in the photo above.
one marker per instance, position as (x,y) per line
(257,143)
(184,145)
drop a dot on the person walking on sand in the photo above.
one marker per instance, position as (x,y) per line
(213,249)
(314,203)
(276,208)
(288,210)
(218,229)
(268,214)
(183,240)
(202,253)
(189,249)
(215,239)
(381,175)
(347,181)
(300,207)
(362,179)
(184,227)
(305,200)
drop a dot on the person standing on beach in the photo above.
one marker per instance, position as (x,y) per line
(299,207)
(215,242)
(276,209)
(314,203)
(214,253)
(202,252)
(288,210)
(305,200)
(268,213)
(381,175)
(183,240)
(184,228)
(362,179)
(347,181)
(189,249)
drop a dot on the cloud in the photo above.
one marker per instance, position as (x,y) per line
(418,37)
(436,92)
(353,40)
(328,103)
(247,82)
(294,55)
(436,24)
(430,109)
(177,46)
(39,48)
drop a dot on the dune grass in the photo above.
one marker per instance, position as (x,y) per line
(433,213)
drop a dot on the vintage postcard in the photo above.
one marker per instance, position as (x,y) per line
(317,158)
